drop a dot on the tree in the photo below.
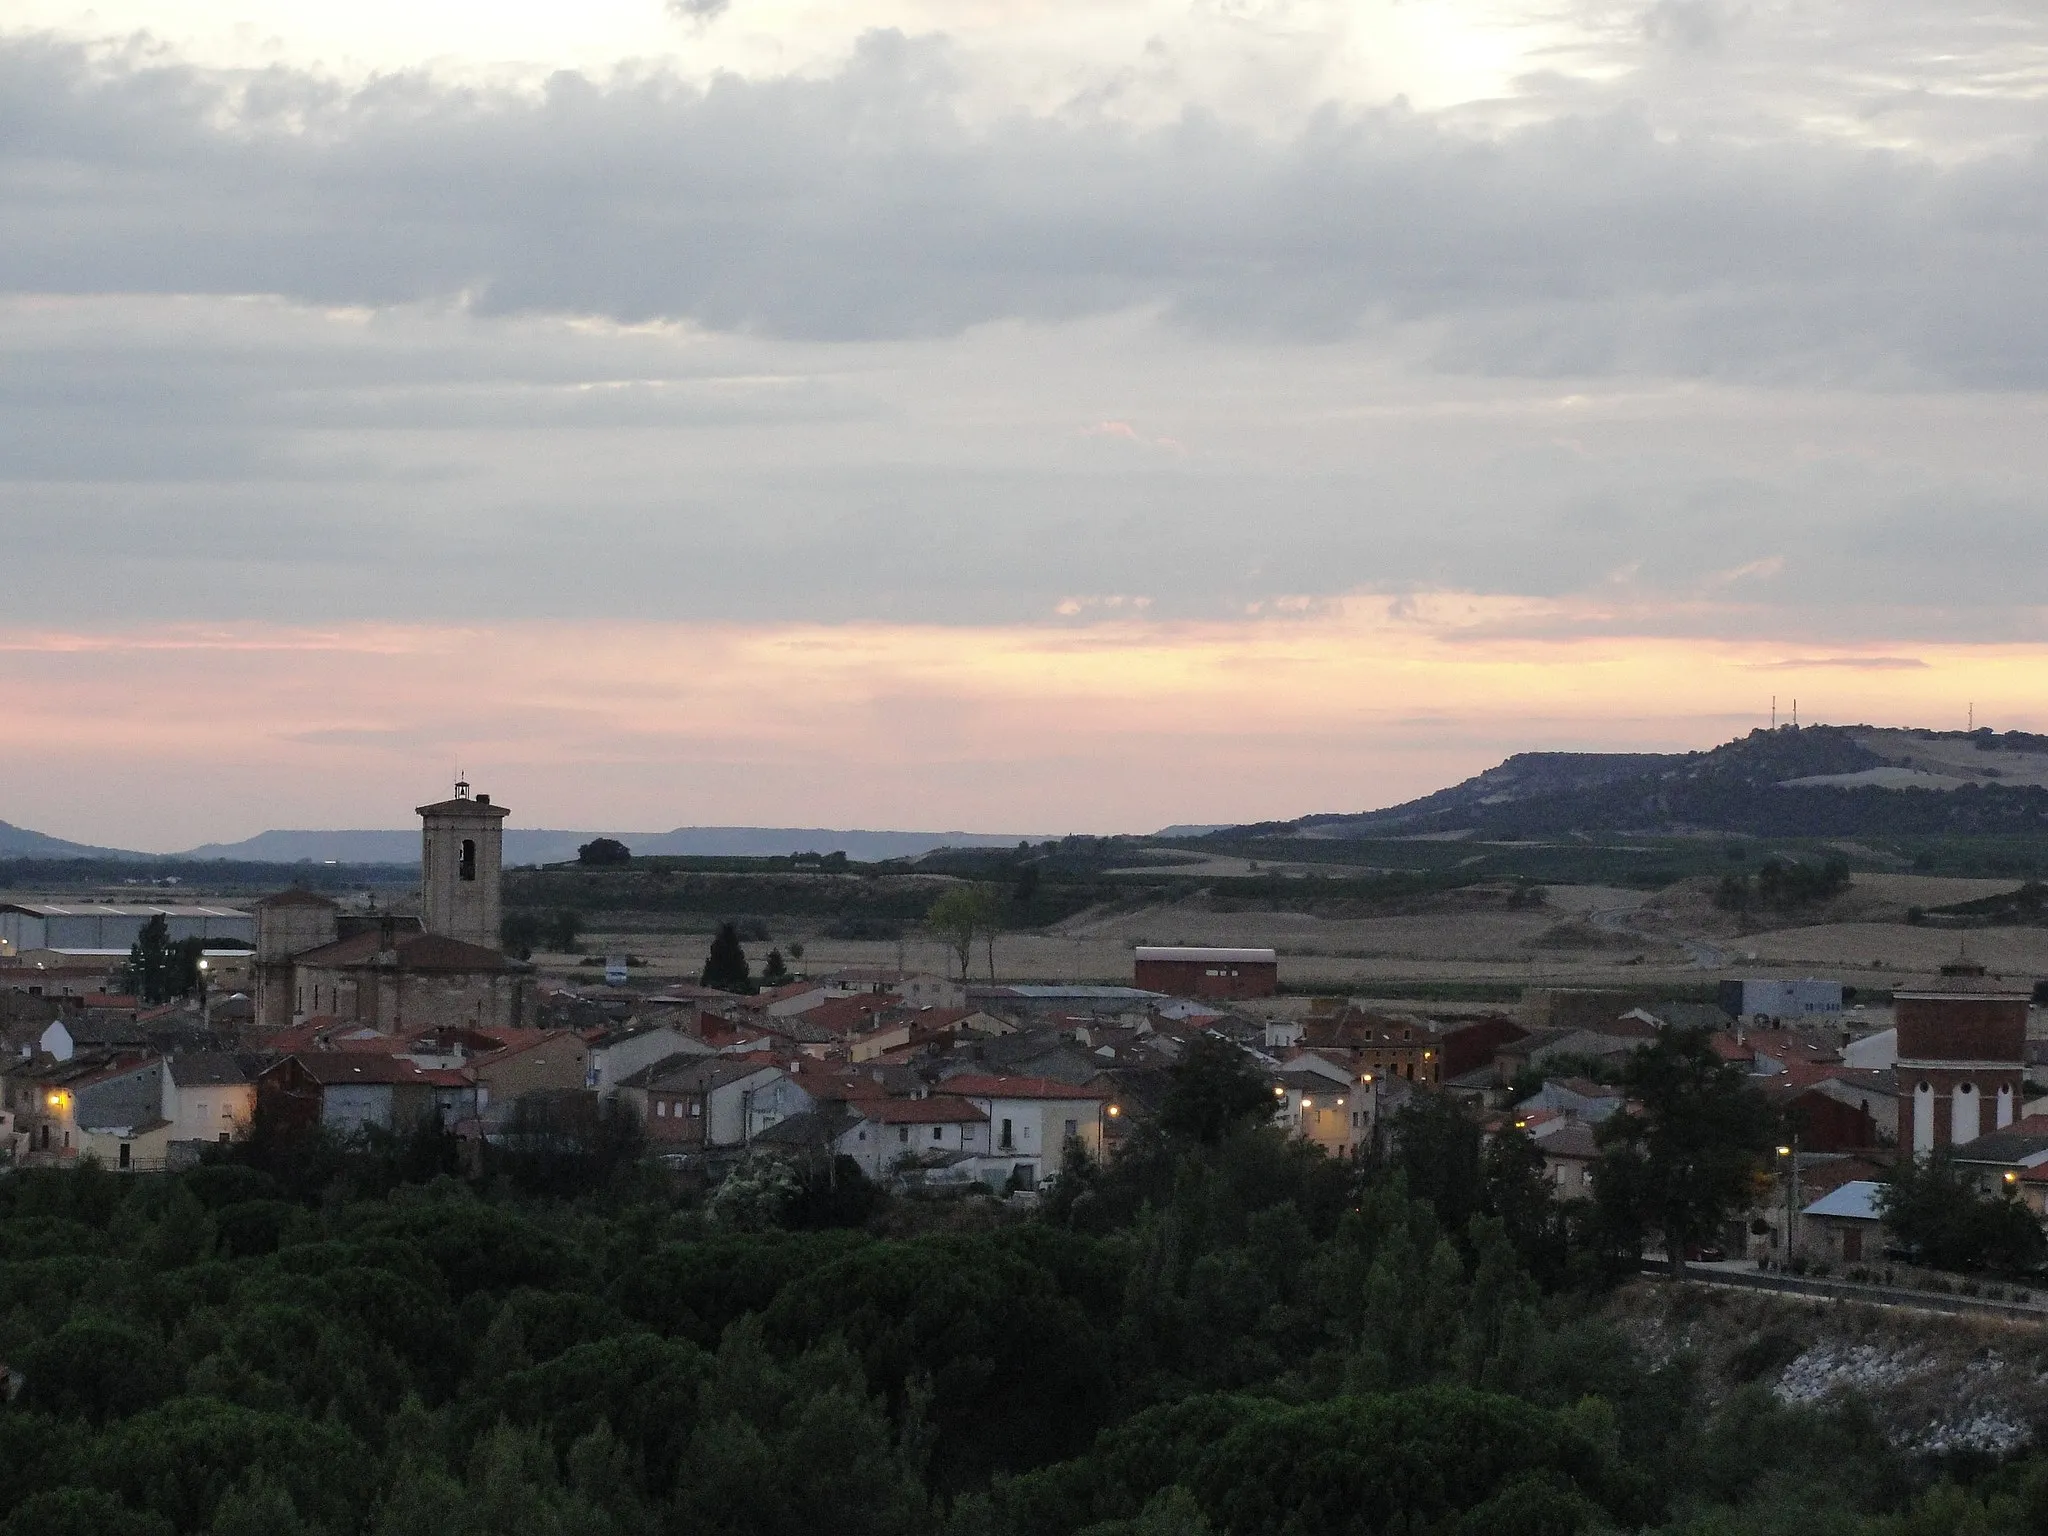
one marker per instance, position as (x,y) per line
(519,934)
(1215,1090)
(726,966)
(774,972)
(963,914)
(159,968)
(1934,1209)
(1690,1149)
(562,930)
(604,853)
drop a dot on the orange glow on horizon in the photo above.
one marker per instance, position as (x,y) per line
(1114,725)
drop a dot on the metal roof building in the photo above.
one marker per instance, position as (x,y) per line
(98,925)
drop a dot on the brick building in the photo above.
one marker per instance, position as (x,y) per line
(1187,972)
(1961,1063)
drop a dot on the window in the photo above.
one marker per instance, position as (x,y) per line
(903,1133)
(466,869)
(202,1109)
(1073,1129)
(695,1106)
(936,1130)
(661,1109)
(127,1155)
(1008,1139)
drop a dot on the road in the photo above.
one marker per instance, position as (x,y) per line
(1704,956)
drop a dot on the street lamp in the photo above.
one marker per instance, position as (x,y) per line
(1791,1197)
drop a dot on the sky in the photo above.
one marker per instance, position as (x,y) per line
(1004,415)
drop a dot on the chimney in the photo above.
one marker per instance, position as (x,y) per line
(483,799)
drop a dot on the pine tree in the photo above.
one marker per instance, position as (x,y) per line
(726,966)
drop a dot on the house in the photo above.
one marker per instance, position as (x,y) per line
(1997,1161)
(939,1126)
(61,1099)
(348,1092)
(1869,1091)
(692,1105)
(1031,1121)
(914,989)
(617,1054)
(528,1061)
(1844,1225)
(207,1097)
(1577,1098)
(1569,1154)
(1321,1104)
(45,1098)
(144,1147)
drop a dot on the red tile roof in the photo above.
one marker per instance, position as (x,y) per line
(980,1086)
(938,1109)
(339,1068)
(432,952)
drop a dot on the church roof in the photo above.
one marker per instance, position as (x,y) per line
(459,806)
(416,952)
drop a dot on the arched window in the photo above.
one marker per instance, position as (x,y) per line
(466,870)
(1923,1117)
(1965,1118)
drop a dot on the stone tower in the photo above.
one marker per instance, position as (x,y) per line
(461,842)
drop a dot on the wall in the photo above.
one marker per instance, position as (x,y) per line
(1208,978)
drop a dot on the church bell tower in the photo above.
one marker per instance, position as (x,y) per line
(461,843)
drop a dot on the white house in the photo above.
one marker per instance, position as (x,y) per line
(207,1097)
(1030,1122)
(618,1054)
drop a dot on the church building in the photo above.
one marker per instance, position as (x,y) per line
(443,969)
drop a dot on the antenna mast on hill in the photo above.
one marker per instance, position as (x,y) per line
(1795,714)
(1973,714)
(1774,711)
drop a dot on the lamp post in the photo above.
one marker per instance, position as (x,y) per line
(1791,1197)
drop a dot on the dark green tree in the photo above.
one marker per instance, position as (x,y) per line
(160,968)
(561,931)
(1691,1148)
(519,934)
(1215,1090)
(604,853)
(726,966)
(774,972)
(1935,1209)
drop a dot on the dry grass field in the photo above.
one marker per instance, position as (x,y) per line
(1581,936)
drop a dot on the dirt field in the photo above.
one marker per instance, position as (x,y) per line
(1582,936)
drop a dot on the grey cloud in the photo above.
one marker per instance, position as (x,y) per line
(863,205)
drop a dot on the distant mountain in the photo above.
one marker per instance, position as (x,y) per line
(20,843)
(539,846)
(1820,781)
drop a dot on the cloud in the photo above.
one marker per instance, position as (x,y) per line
(1853,663)
(872,202)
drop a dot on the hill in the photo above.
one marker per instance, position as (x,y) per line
(1819,781)
(21,843)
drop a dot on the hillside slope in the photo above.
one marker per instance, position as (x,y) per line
(1822,781)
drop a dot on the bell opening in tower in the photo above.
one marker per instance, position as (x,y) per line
(466,869)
